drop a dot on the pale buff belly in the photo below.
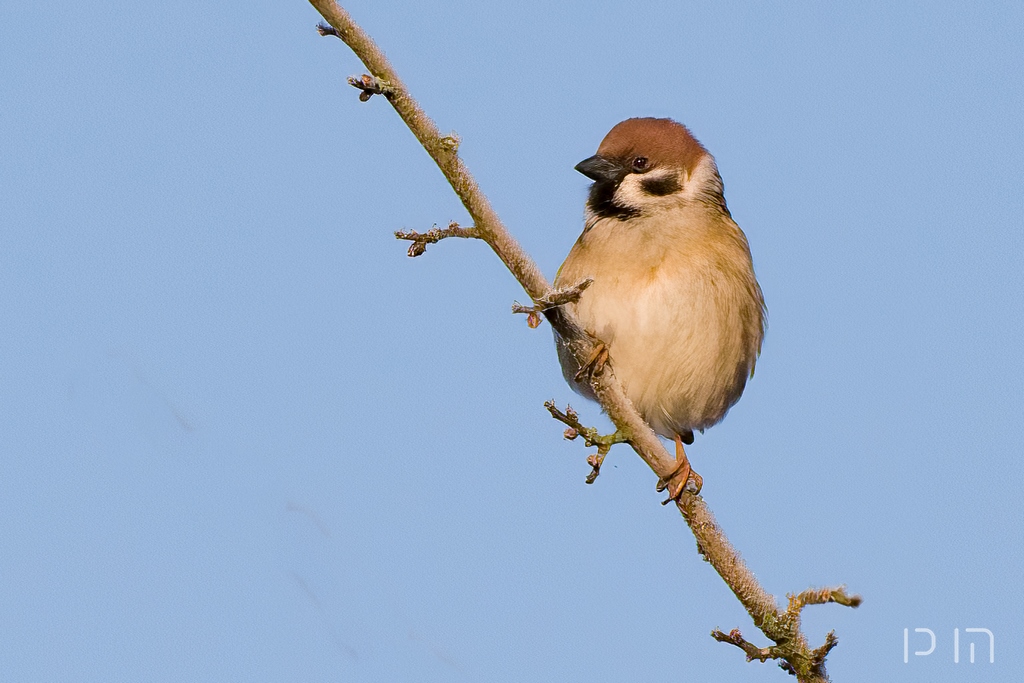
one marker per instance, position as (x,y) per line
(675,343)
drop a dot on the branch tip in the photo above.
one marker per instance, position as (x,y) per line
(821,596)
(591,437)
(533,319)
(451,141)
(553,298)
(734,637)
(595,460)
(818,654)
(327,30)
(370,86)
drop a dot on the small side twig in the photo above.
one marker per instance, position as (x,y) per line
(434,235)
(819,654)
(327,30)
(821,596)
(552,299)
(370,86)
(734,637)
(591,437)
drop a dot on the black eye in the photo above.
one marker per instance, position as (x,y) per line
(640,164)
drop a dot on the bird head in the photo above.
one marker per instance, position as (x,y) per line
(645,165)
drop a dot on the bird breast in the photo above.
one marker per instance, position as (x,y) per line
(677,305)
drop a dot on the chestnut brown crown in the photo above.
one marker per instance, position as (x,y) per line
(663,142)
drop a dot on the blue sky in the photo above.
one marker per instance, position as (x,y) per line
(244,437)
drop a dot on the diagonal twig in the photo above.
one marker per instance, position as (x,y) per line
(781,627)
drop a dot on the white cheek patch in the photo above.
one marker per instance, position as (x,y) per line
(703,181)
(632,193)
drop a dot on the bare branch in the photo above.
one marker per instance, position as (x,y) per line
(783,628)
(491,230)
(440,147)
(434,235)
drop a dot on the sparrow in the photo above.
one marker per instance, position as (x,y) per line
(674,306)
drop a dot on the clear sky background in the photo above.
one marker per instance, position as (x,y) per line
(243,437)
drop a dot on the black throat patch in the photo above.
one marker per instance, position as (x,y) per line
(602,201)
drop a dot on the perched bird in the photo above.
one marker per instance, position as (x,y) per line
(674,304)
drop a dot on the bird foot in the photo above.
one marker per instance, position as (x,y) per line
(678,481)
(683,480)
(595,362)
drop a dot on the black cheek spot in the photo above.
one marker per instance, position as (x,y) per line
(659,187)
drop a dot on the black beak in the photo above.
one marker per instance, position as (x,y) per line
(599,168)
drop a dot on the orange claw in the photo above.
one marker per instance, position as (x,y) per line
(680,477)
